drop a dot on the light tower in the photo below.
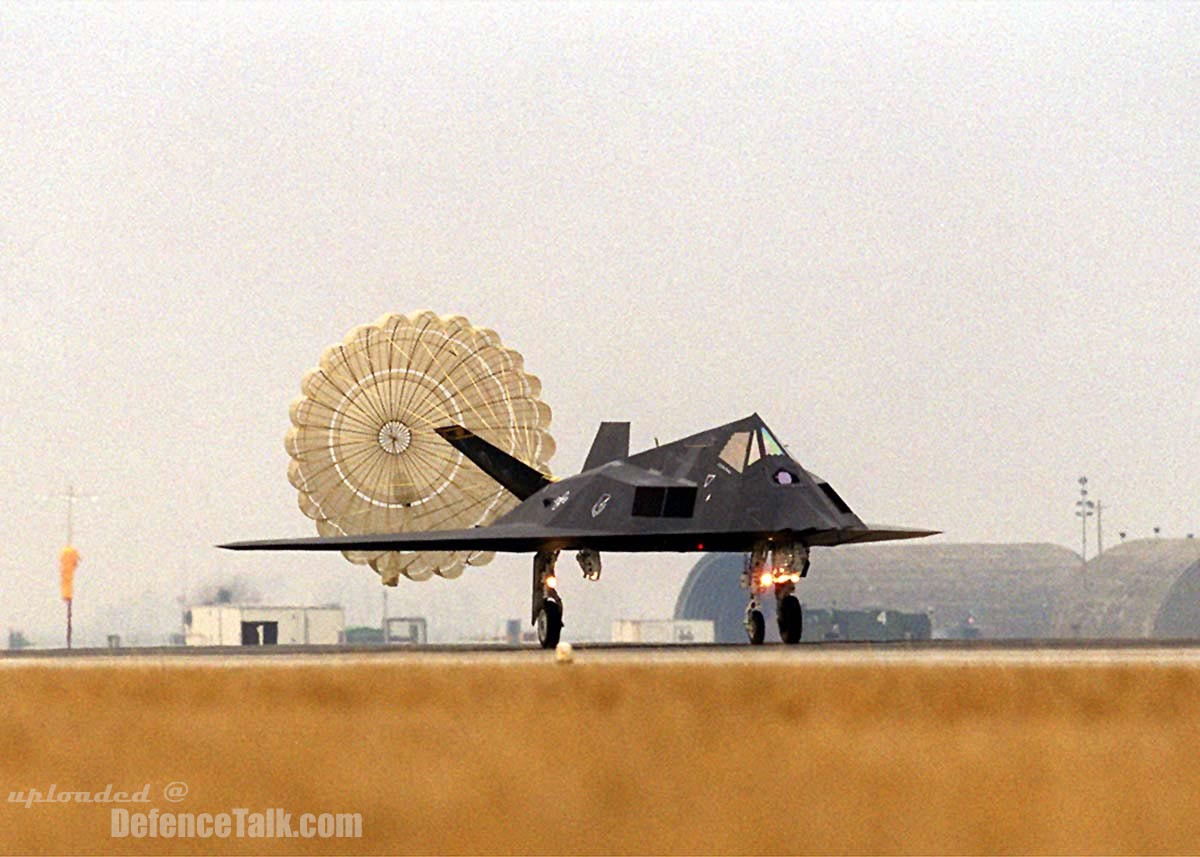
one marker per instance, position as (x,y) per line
(1084,509)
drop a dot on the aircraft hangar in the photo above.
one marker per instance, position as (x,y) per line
(1147,588)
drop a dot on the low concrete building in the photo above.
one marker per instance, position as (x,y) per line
(407,630)
(662,631)
(258,625)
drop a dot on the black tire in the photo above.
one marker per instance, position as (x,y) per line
(549,624)
(791,620)
(756,627)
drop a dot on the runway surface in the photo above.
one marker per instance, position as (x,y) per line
(849,748)
(933,653)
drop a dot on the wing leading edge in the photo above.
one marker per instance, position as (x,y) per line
(527,539)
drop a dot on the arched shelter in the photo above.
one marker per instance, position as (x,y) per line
(1144,589)
(1007,590)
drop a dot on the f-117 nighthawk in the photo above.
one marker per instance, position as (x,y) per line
(733,488)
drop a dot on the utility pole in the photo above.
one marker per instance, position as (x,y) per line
(383,620)
(1084,510)
(1099,531)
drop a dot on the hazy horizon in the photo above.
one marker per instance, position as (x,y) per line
(948,252)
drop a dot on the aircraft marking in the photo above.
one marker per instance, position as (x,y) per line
(559,501)
(601,504)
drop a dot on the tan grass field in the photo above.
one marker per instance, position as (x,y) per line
(526,756)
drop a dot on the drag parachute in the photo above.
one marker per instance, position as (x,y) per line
(366,459)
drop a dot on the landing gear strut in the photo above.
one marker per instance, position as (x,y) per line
(775,567)
(547,605)
(756,625)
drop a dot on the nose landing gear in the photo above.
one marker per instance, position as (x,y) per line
(776,568)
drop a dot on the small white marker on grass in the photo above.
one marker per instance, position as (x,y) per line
(563,653)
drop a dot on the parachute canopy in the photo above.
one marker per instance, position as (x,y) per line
(366,459)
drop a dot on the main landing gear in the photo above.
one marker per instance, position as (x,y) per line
(547,603)
(775,567)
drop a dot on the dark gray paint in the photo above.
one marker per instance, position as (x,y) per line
(593,509)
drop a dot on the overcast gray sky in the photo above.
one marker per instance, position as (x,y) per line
(948,252)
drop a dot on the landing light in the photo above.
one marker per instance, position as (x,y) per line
(551,582)
(765,580)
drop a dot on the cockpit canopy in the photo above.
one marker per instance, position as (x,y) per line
(746,447)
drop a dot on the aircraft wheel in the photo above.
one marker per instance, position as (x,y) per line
(791,620)
(549,624)
(756,627)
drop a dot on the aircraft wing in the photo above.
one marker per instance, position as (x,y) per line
(872,533)
(524,538)
(509,539)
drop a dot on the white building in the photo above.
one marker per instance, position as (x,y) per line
(662,631)
(259,625)
(411,630)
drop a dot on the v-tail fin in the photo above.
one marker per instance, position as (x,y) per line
(515,475)
(611,444)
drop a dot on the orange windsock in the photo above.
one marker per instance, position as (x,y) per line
(67,561)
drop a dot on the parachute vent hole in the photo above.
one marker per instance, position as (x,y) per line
(395,437)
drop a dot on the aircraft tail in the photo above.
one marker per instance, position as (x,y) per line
(611,443)
(515,475)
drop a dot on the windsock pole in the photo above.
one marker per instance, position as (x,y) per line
(68,559)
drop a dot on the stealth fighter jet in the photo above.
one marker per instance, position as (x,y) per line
(731,489)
